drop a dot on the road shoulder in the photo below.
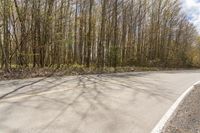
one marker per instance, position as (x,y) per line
(170,122)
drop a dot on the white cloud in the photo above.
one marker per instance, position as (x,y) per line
(192,9)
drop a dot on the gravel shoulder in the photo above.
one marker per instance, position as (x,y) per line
(186,118)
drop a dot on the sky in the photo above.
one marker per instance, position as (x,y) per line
(192,9)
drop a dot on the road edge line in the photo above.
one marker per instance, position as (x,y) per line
(159,127)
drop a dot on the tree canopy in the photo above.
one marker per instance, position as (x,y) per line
(100,33)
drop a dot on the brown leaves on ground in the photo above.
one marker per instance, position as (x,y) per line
(22,73)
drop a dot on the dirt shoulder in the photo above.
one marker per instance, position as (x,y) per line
(186,118)
(71,70)
(25,73)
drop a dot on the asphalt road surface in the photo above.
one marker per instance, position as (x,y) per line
(113,103)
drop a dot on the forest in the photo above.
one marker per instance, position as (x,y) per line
(96,33)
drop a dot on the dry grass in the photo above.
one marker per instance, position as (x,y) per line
(69,70)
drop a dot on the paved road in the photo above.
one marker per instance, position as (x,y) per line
(116,103)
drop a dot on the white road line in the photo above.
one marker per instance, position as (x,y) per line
(158,128)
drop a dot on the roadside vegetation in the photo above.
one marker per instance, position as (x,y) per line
(69,37)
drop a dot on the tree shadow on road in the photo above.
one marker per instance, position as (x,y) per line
(92,92)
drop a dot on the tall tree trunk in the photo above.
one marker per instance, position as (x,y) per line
(89,44)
